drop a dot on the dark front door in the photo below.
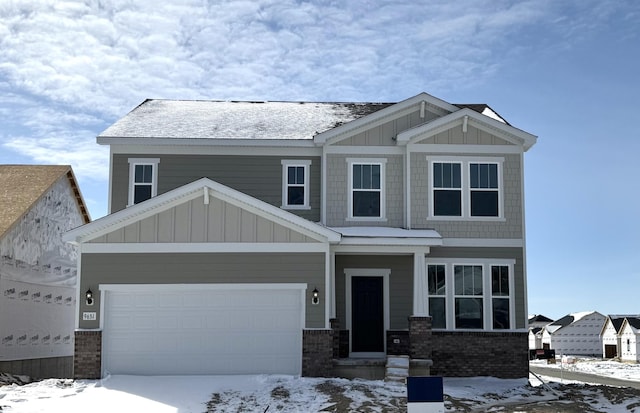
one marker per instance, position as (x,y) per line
(367,314)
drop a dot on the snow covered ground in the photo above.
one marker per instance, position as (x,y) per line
(207,394)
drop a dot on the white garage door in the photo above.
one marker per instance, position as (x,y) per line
(214,329)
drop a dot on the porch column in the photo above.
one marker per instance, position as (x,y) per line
(420,302)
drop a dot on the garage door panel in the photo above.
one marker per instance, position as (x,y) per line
(231,331)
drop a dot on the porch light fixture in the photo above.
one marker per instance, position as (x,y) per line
(89,297)
(315,297)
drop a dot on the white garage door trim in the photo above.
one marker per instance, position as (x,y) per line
(296,322)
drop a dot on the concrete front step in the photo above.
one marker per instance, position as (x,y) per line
(397,368)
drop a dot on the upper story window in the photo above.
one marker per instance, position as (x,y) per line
(366,187)
(295,184)
(143,179)
(465,188)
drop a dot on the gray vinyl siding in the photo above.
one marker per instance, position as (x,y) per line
(257,176)
(497,253)
(400,285)
(338,191)
(511,227)
(473,136)
(385,133)
(200,268)
(195,221)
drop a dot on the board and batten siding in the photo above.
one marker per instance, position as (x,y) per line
(195,221)
(205,268)
(487,253)
(400,285)
(509,228)
(385,133)
(257,176)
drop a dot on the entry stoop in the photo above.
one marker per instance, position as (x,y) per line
(397,368)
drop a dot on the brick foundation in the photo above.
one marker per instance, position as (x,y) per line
(397,342)
(420,342)
(317,353)
(87,362)
(466,354)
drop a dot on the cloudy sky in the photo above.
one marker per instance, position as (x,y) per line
(565,70)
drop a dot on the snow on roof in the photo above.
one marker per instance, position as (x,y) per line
(198,119)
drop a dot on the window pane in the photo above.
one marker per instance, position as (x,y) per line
(446,175)
(484,203)
(375,176)
(455,175)
(500,280)
(366,176)
(468,279)
(447,203)
(437,175)
(500,308)
(295,175)
(291,175)
(141,193)
(436,279)
(493,176)
(468,313)
(483,175)
(357,176)
(438,313)
(295,195)
(366,204)
(300,175)
(143,174)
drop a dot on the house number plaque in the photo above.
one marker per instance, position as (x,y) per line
(88,315)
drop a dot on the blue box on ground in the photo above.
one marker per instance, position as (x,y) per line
(425,389)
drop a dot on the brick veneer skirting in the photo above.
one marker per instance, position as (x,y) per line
(317,353)
(465,354)
(420,338)
(87,362)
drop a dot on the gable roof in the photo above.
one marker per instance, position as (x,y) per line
(568,319)
(633,322)
(206,188)
(234,120)
(21,186)
(539,318)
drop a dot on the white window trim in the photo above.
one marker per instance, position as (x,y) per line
(382,162)
(465,177)
(367,272)
(133,162)
(487,296)
(306,164)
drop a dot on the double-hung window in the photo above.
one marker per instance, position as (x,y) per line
(465,187)
(436,280)
(143,179)
(468,296)
(366,186)
(500,303)
(295,184)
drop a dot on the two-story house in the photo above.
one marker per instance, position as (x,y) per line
(288,237)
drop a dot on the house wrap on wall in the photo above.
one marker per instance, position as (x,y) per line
(288,237)
(38,271)
(575,334)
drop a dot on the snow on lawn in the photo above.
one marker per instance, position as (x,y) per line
(608,368)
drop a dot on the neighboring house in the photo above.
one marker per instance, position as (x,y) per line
(630,339)
(38,271)
(536,324)
(610,336)
(286,237)
(576,334)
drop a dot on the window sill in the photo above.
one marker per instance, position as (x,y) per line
(295,207)
(366,219)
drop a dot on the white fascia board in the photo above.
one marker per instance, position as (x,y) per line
(365,150)
(464,149)
(401,108)
(489,125)
(414,242)
(173,142)
(199,287)
(483,242)
(191,191)
(139,149)
(203,247)
(379,249)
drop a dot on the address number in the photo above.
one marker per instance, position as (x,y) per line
(88,316)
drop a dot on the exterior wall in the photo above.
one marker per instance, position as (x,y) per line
(510,227)
(610,337)
(87,363)
(473,136)
(630,344)
(400,285)
(317,353)
(338,191)
(258,176)
(535,340)
(41,368)
(470,354)
(37,286)
(581,338)
(195,221)
(189,268)
(495,253)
